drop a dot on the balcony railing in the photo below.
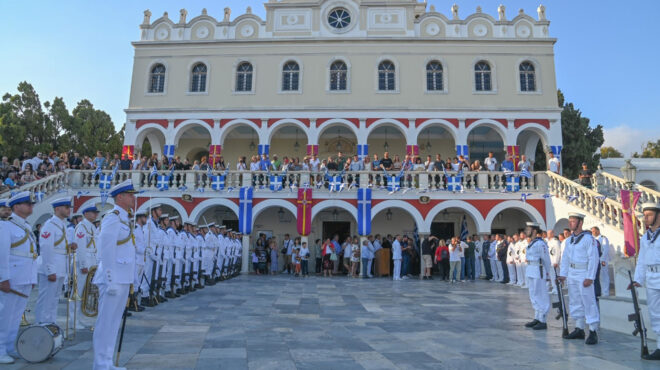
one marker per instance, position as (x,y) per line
(612,185)
(43,188)
(377,180)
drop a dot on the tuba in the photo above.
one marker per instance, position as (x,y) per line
(89,304)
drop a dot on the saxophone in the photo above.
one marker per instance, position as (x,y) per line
(89,304)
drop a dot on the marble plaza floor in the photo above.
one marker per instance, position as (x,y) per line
(281,322)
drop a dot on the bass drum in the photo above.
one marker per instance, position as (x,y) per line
(38,343)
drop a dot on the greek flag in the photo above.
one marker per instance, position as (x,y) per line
(364,211)
(547,196)
(394,184)
(275,183)
(513,184)
(218,182)
(105,182)
(81,193)
(163,182)
(104,197)
(201,190)
(114,171)
(97,172)
(362,150)
(462,150)
(335,183)
(556,150)
(464,229)
(245,210)
(523,197)
(154,172)
(38,195)
(183,188)
(168,150)
(525,173)
(454,183)
(572,198)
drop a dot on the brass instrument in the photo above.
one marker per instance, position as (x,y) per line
(73,294)
(89,304)
(24,321)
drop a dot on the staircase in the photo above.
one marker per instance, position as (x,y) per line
(603,209)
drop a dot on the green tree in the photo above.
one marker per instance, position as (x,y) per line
(24,126)
(580,141)
(650,150)
(610,152)
(91,129)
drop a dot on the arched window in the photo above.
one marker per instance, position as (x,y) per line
(338,76)
(244,77)
(434,76)
(527,77)
(198,82)
(386,76)
(290,76)
(157,79)
(482,77)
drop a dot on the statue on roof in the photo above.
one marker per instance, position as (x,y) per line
(147,17)
(454,12)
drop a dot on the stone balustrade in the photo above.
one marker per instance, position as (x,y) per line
(45,187)
(612,185)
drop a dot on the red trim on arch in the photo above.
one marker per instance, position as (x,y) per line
(305,121)
(270,123)
(142,122)
(404,121)
(543,122)
(354,121)
(502,121)
(256,121)
(179,121)
(420,121)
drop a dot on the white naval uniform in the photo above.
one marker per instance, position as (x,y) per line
(647,273)
(140,258)
(207,253)
(604,270)
(492,257)
(396,257)
(199,240)
(579,262)
(85,238)
(115,274)
(18,254)
(53,245)
(222,254)
(172,239)
(511,263)
(151,235)
(520,261)
(477,259)
(523,257)
(179,250)
(165,255)
(538,270)
(554,248)
(188,257)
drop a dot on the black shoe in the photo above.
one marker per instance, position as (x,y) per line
(655,356)
(430,277)
(140,308)
(169,295)
(532,323)
(128,314)
(593,337)
(199,286)
(180,292)
(162,299)
(540,326)
(145,302)
(576,334)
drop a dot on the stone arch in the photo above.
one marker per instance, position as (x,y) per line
(287,122)
(528,137)
(409,208)
(530,211)
(437,122)
(185,125)
(229,126)
(268,203)
(497,126)
(467,207)
(332,203)
(208,203)
(155,134)
(390,123)
(165,201)
(334,122)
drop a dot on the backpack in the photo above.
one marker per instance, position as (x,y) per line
(444,254)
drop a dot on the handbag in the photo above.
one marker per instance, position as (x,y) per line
(333,256)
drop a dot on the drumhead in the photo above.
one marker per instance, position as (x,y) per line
(35,343)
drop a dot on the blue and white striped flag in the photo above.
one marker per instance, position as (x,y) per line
(335,183)
(523,197)
(104,197)
(154,172)
(464,229)
(572,198)
(394,184)
(525,173)
(81,193)
(97,172)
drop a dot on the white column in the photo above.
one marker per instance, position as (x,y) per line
(246,254)
(421,258)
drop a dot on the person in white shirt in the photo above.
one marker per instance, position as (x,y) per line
(396,257)
(495,265)
(605,259)
(553,163)
(524,242)
(477,257)
(84,236)
(554,249)
(511,253)
(314,163)
(455,253)
(490,162)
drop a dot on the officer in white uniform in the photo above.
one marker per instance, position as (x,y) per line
(523,243)
(539,270)
(54,261)
(5,210)
(18,270)
(494,263)
(520,261)
(579,264)
(605,259)
(554,248)
(396,257)
(140,259)
(239,252)
(179,252)
(647,271)
(85,237)
(511,261)
(115,274)
(222,251)
(151,235)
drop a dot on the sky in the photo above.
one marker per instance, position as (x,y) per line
(81,49)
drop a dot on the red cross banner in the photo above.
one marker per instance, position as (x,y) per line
(304,205)
(214,154)
(630,227)
(129,150)
(513,151)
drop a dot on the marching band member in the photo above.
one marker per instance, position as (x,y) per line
(199,239)
(18,269)
(151,266)
(115,273)
(179,253)
(85,237)
(54,261)
(579,264)
(537,272)
(164,256)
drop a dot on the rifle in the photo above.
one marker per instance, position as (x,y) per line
(637,318)
(152,285)
(560,305)
(172,276)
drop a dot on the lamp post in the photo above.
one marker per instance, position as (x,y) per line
(629,174)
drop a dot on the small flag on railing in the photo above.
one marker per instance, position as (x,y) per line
(393,185)
(547,196)
(38,195)
(572,198)
(334,183)
(104,197)
(275,183)
(601,198)
(478,189)
(154,172)
(183,188)
(163,182)
(97,171)
(523,197)
(114,171)
(201,190)
(218,183)
(525,173)
(454,184)
(105,182)
(81,193)
(513,184)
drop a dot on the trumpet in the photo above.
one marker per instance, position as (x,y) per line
(89,304)
(73,295)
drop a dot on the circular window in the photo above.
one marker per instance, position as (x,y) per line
(339,18)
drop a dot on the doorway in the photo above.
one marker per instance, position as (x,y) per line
(343,229)
(443,230)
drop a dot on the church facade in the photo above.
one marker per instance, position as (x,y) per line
(361,77)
